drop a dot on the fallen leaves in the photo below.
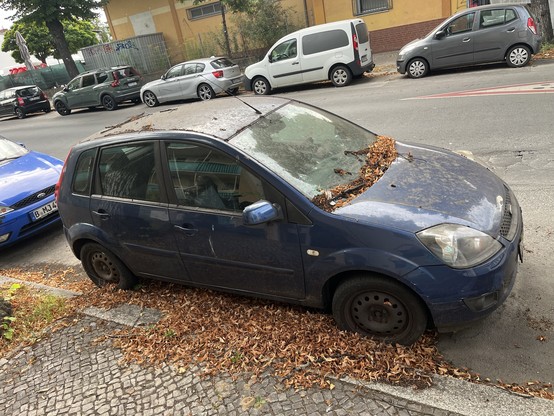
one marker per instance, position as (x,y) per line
(378,157)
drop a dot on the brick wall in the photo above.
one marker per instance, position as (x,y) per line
(394,38)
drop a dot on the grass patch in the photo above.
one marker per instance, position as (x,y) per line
(33,311)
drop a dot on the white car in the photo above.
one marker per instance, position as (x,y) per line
(201,78)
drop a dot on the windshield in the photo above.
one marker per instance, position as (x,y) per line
(10,150)
(307,147)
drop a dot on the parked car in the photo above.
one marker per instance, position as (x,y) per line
(27,183)
(479,35)
(106,87)
(202,78)
(23,100)
(335,51)
(227,195)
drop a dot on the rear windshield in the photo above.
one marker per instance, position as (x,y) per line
(28,92)
(125,72)
(363,34)
(222,63)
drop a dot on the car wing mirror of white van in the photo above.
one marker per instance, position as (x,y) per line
(261,212)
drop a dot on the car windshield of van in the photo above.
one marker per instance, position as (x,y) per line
(309,148)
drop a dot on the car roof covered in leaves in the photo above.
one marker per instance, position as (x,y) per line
(222,117)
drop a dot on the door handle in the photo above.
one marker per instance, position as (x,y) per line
(510,30)
(102,214)
(466,40)
(295,63)
(188,229)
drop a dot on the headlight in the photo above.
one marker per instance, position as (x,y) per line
(459,246)
(400,57)
(4,210)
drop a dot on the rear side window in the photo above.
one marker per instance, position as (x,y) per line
(83,173)
(324,41)
(222,63)
(363,33)
(129,172)
(496,17)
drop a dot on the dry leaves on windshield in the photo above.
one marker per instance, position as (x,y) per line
(378,158)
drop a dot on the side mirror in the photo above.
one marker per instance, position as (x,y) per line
(65,89)
(261,212)
(440,34)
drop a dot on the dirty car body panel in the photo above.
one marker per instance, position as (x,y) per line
(278,160)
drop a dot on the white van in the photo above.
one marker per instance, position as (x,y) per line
(337,51)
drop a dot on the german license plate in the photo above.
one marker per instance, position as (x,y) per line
(44,210)
(132,84)
(364,58)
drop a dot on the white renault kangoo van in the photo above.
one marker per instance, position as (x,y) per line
(336,51)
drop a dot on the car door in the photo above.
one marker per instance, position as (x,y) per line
(129,206)
(72,92)
(169,88)
(85,96)
(285,67)
(210,189)
(6,105)
(454,47)
(498,30)
(191,78)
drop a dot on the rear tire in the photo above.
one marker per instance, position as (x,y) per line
(103,267)
(417,68)
(518,56)
(341,76)
(380,308)
(205,92)
(261,86)
(109,103)
(20,113)
(62,109)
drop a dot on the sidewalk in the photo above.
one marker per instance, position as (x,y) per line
(76,371)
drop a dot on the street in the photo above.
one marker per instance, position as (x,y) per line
(509,130)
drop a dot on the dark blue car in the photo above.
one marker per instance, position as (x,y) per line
(27,183)
(278,199)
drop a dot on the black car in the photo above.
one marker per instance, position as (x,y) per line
(20,101)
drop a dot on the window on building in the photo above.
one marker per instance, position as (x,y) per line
(206,10)
(371,6)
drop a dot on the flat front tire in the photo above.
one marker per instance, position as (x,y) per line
(341,76)
(380,308)
(518,56)
(417,68)
(103,267)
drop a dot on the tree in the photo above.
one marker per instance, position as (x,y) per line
(53,13)
(541,10)
(79,33)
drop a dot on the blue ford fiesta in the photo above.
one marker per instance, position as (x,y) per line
(274,198)
(27,183)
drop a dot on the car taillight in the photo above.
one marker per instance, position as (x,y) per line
(531,25)
(355,42)
(59,183)
(218,74)
(43,96)
(20,101)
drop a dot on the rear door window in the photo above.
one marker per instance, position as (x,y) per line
(324,41)
(129,171)
(363,33)
(496,17)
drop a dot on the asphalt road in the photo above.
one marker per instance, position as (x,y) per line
(509,129)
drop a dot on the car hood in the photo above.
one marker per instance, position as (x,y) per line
(427,186)
(26,175)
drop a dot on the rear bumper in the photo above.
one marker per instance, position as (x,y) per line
(36,106)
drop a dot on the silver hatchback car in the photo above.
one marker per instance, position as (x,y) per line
(201,78)
(486,34)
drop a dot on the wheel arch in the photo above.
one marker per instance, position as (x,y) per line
(336,64)
(516,45)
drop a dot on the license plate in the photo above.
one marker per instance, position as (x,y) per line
(132,84)
(364,58)
(34,98)
(44,210)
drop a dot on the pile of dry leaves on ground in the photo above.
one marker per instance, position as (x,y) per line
(378,157)
(237,335)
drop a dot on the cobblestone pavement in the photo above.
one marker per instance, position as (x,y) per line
(68,373)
